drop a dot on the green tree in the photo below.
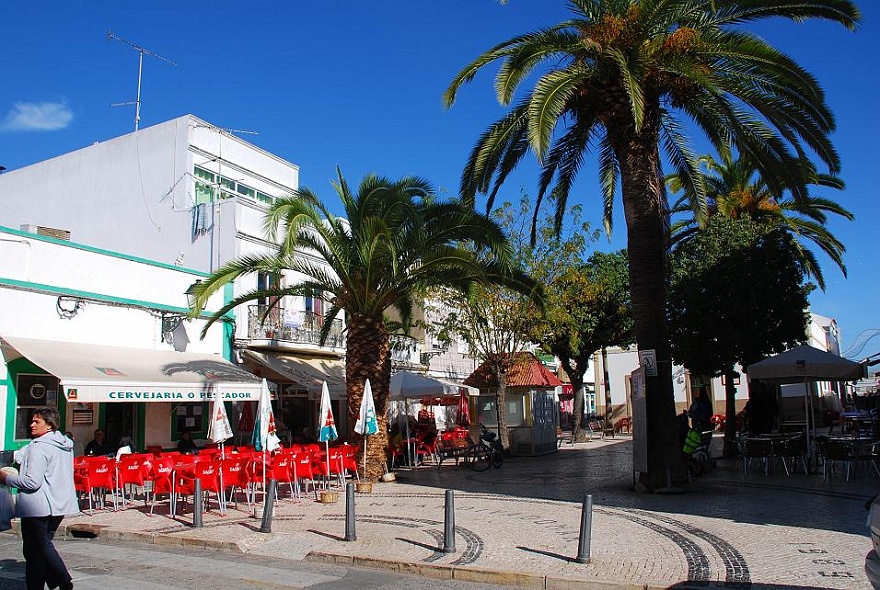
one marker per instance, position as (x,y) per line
(397,239)
(737,295)
(493,321)
(496,322)
(586,308)
(735,189)
(619,76)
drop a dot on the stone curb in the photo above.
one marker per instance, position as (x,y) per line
(441,572)
(476,575)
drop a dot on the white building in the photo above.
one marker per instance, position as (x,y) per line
(189,194)
(103,337)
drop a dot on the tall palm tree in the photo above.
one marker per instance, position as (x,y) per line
(397,239)
(621,76)
(736,190)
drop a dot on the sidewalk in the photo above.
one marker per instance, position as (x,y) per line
(520,525)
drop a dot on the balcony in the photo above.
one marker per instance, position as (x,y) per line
(289,328)
(404,352)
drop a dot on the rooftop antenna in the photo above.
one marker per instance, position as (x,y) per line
(142,51)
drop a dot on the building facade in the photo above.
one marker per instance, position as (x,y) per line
(186,193)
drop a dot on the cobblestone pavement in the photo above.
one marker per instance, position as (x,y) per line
(520,525)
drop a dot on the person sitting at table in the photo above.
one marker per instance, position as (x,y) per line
(125,446)
(187,445)
(98,446)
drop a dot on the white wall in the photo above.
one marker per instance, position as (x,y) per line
(35,271)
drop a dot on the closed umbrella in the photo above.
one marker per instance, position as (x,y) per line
(464,415)
(245,419)
(366,423)
(264,438)
(218,431)
(326,424)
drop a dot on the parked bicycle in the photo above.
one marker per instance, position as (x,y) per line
(488,451)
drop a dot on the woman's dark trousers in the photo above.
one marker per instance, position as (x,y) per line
(43,565)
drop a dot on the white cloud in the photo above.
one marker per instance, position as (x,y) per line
(31,116)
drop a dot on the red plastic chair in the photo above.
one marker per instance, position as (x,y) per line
(234,469)
(303,472)
(333,468)
(208,473)
(349,460)
(281,470)
(130,471)
(94,478)
(162,477)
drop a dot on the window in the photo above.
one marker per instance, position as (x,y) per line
(515,409)
(207,182)
(189,417)
(33,391)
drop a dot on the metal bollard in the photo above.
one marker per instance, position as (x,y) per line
(349,513)
(268,507)
(449,523)
(197,503)
(583,555)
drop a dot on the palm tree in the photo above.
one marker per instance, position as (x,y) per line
(397,240)
(621,76)
(736,190)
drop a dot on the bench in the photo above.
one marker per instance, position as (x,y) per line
(596,427)
(563,436)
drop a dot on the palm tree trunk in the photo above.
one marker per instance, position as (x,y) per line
(645,208)
(368,356)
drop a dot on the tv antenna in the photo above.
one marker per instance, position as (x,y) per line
(142,51)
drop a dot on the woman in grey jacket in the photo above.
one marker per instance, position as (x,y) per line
(45,495)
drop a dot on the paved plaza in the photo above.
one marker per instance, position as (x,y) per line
(520,525)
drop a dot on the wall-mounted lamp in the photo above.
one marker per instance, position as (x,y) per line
(191,293)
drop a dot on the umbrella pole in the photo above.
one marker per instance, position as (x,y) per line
(327,456)
(365,455)
(222,493)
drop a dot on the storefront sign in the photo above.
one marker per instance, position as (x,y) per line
(98,394)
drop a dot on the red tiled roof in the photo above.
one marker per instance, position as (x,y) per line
(527,371)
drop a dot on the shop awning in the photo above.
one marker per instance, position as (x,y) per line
(96,373)
(307,372)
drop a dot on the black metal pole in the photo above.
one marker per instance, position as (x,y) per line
(583,555)
(197,503)
(449,523)
(349,513)
(268,507)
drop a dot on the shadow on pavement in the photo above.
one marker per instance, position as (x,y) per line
(603,469)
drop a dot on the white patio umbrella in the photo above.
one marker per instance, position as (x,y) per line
(218,431)
(367,423)
(265,438)
(326,424)
(803,364)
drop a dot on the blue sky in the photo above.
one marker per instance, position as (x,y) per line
(359,85)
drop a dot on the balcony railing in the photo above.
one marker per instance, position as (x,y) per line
(287,325)
(404,351)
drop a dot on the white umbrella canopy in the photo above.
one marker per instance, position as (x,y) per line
(405,384)
(219,429)
(802,363)
(367,422)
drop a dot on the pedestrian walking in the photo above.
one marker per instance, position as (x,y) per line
(45,495)
(700,411)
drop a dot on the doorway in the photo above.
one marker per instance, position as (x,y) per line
(120,419)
